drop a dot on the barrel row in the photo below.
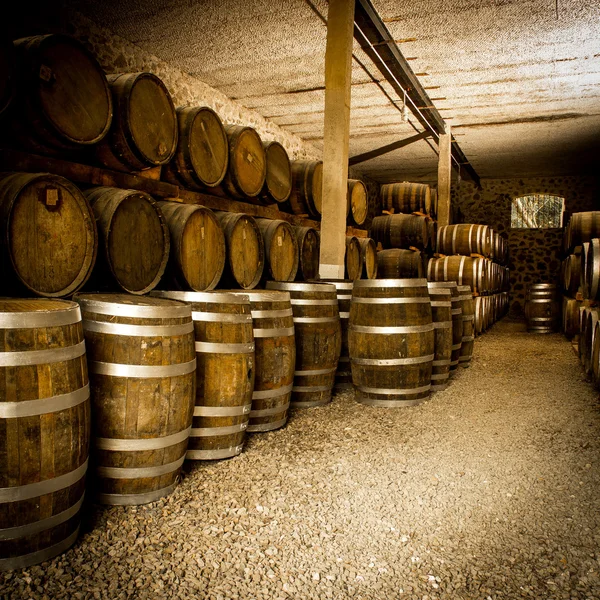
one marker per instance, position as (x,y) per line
(406,197)
(480,274)
(467,239)
(582,228)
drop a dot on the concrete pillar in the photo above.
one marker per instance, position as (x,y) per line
(444,177)
(338,77)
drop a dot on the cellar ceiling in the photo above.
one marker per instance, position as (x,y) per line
(518,80)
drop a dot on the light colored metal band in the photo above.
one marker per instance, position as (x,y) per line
(213,454)
(316,319)
(442,325)
(131,310)
(343,297)
(384,330)
(438,387)
(34,319)
(204,297)
(470,241)
(42,525)
(417,300)
(142,371)
(344,315)
(454,234)
(272,314)
(389,283)
(304,302)
(311,403)
(34,558)
(454,363)
(122,445)
(440,304)
(440,363)
(38,357)
(461,269)
(267,412)
(465,358)
(542,319)
(468,317)
(138,472)
(42,406)
(343,359)
(307,389)
(206,317)
(456,347)
(267,426)
(457,311)
(222,348)
(39,488)
(445,262)
(440,376)
(217,431)
(314,372)
(222,411)
(414,360)
(300,287)
(543,301)
(138,330)
(396,392)
(134,499)
(264,394)
(465,297)
(274,333)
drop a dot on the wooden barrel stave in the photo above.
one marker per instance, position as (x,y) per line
(457,321)
(441,313)
(406,197)
(309,243)
(280,249)
(465,239)
(306,196)
(358,202)
(368,258)
(278,180)
(397,263)
(352,260)
(400,231)
(468,317)
(541,308)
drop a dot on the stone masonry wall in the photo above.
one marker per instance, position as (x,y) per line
(534,253)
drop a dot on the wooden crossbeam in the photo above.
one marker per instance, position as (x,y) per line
(388,148)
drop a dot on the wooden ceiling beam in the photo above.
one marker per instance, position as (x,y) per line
(359,158)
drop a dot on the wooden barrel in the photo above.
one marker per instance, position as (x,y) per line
(65,102)
(583,270)
(134,238)
(48,240)
(584,310)
(457,322)
(406,197)
(592,273)
(45,423)
(309,245)
(368,258)
(281,249)
(307,188)
(8,74)
(479,314)
(595,356)
(278,181)
(352,261)
(318,340)
(391,341)
(142,372)
(541,308)
(465,239)
(202,155)
(397,263)
(432,228)
(583,227)
(589,335)
(570,316)
(275,347)
(572,274)
(468,317)
(400,231)
(433,212)
(225,372)
(144,131)
(464,270)
(441,314)
(358,202)
(197,256)
(245,250)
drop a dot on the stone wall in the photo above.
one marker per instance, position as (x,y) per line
(534,253)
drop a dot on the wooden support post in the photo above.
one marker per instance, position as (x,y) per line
(338,77)
(444,177)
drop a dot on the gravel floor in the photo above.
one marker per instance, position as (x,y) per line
(488,490)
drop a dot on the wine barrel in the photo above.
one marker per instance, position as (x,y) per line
(589,333)
(307,188)
(479,314)
(406,197)
(432,228)
(368,258)
(584,310)
(570,316)
(197,256)
(278,181)
(391,341)
(465,239)
(434,203)
(225,371)
(202,154)
(595,356)
(397,263)
(309,244)
(65,101)
(358,202)
(541,308)
(592,273)
(352,261)
(142,372)
(275,347)
(468,317)
(464,270)
(8,74)
(457,322)
(134,238)
(245,250)
(572,274)
(583,227)
(583,270)
(48,241)
(318,340)
(247,168)
(45,421)
(144,131)
(441,314)
(281,249)
(400,231)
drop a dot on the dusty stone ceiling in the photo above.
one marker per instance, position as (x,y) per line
(518,80)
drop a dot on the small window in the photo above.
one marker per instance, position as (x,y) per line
(537,211)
